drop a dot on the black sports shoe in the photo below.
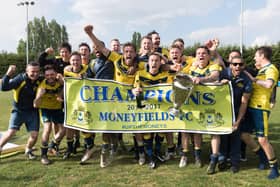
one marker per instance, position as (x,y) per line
(211,168)
(234,169)
(159,157)
(30,155)
(222,165)
(152,163)
(66,155)
(76,145)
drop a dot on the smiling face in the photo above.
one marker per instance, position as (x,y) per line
(237,66)
(115,46)
(155,40)
(76,61)
(50,76)
(33,72)
(202,57)
(146,45)
(65,54)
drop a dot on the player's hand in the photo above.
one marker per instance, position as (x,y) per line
(132,70)
(196,80)
(212,45)
(224,81)
(272,105)
(136,91)
(60,78)
(235,126)
(40,92)
(88,29)
(176,67)
(49,50)
(59,98)
(11,70)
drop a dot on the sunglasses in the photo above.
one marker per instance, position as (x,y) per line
(235,64)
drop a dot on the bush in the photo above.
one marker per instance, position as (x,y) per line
(7,59)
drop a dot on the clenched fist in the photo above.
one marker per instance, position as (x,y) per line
(11,70)
(88,29)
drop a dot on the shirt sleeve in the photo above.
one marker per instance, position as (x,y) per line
(9,84)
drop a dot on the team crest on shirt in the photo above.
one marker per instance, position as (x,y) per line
(81,115)
(210,118)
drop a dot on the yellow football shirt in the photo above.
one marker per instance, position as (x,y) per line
(121,68)
(49,100)
(260,98)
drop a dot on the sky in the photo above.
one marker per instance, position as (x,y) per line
(194,21)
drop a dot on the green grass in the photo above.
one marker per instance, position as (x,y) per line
(124,171)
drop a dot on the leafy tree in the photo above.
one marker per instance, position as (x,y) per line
(41,35)
(136,40)
(21,47)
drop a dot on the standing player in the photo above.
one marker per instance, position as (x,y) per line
(150,76)
(205,71)
(259,107)
(24,86)
(242,88)
(59,63)
(78,70)
(125,65)
(50,109)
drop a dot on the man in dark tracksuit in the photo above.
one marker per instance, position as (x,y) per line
(242,88)
(24,86)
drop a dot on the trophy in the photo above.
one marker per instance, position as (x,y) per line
(182,88)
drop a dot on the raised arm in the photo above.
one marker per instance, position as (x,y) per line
(213,45)
(8,83)
(43,57)
(99,45)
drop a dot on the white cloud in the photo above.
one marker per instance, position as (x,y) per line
(263,23)
(261,40)
(226,35)
(120,18)
(261,26)
(13,19)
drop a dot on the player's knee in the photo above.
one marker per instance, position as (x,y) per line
(34,135)
(263,141)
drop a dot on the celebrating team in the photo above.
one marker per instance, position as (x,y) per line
(153,64)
